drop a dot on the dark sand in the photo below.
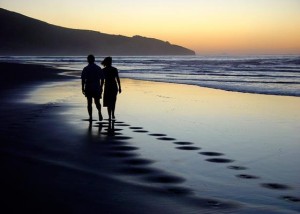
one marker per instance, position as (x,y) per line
(53,161)
(43,171)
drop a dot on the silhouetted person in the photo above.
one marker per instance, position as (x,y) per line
(92,83)
(112,86)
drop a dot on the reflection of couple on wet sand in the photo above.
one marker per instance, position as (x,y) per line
(93,78)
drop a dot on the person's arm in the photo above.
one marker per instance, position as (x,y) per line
(118,81)
(101,81)
(83,81)
(82,85)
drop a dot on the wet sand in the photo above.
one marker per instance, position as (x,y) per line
(173,149)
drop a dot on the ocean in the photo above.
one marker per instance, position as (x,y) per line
(274,74)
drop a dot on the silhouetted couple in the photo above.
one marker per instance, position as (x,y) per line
(92,80)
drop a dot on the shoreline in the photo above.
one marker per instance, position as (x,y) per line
(18,73)
(240,76)
(136,166)
(216,88)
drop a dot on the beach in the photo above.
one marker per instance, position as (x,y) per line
(173,148)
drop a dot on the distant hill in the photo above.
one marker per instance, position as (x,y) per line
(22,35)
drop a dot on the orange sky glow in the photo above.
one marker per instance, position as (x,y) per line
(207,27)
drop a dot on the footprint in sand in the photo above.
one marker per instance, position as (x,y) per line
(290,198)
(178,191)
(166,179)
(111,134)
(215,204)
(211,153)
(190,148)
(122,138)
(166,138)
(183,143)
(219,160)
(237,167)
(120,154)
(138,161)
(245,176)
(136,127)
(276,186)
(124,148)
(158,135)
(140,131)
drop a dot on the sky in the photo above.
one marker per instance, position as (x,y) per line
(205,26)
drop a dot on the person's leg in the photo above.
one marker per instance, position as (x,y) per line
(109,112)
(113,106)
(98,106)
(113,110)
(89,107)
